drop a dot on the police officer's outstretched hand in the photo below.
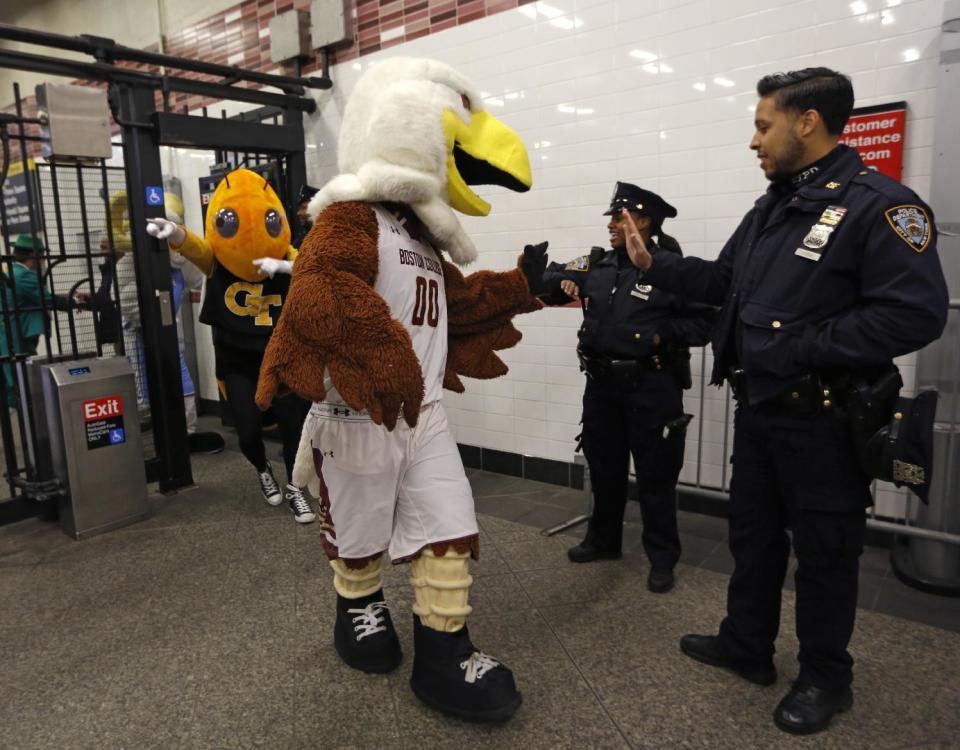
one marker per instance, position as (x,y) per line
(570,289)
(636,249)
(533,263)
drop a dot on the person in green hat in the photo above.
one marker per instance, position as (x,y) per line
(23,329)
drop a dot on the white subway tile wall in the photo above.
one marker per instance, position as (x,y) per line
(660,93)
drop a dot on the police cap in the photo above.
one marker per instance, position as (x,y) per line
(642,201)
(306,193)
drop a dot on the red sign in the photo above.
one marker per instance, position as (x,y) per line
(102,408)
(877,134)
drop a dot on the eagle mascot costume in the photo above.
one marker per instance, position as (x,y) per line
(377,322)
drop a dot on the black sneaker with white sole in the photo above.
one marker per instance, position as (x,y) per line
(454,677)
(299,504)
(269,487)
(364,635)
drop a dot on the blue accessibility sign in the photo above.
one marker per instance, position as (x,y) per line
(154,195)
(117,435)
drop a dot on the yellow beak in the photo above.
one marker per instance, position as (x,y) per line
(482,152)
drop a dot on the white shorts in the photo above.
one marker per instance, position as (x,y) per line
(379,490)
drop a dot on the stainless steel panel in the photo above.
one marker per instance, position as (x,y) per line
(89,402)
(289,36)
(331,22)
(78,120)
(166,308)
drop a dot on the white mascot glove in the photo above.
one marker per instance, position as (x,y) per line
(163,229)
(270,266)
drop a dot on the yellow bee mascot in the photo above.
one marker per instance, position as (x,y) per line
(247,258)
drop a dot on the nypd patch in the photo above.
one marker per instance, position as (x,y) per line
(579,264)
(911,224)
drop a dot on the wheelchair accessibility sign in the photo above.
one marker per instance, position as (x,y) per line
(154,195)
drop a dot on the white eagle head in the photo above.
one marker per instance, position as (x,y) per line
(414,131)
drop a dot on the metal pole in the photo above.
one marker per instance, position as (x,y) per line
(896,528)
(575,521)
(141,156)
(119,347)
(107,49)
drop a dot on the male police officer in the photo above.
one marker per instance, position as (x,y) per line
(634,348)
(832,274)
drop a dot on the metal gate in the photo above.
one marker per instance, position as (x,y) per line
(62,210)
(90,220)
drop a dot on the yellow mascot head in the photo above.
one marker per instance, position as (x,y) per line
(245,220)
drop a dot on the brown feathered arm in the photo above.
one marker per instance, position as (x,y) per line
(333,321)
(480,308)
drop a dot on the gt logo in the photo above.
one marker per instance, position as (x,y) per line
(254,305)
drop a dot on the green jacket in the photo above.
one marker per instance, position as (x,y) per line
(30,324)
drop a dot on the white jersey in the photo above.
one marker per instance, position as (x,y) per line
(410,281)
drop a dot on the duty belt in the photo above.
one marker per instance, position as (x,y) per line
(807,394)
(606,368)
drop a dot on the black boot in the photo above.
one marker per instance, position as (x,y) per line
(586,551)
(660,581)
(809,709)
(707,649)
(364,636)
(452,676)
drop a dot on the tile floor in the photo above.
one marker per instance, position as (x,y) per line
(210,626)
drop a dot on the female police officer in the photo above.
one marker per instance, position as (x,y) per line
(634,349)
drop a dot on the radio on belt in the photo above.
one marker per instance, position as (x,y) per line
(97,454)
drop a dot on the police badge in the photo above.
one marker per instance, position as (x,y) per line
(911,224)
(817,237)
(641,290)
(819,234)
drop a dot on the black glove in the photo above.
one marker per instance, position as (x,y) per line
(533,263)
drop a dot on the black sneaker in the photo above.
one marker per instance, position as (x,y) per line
(269,487)
(452,676)
(364,636)
(298,504)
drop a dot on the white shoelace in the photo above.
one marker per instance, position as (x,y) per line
(478,665)
(297,500)
(369,620)
(268,483)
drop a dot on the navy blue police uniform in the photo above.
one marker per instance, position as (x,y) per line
(633,400)
(831,275)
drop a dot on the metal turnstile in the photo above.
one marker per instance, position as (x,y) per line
(95,445)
